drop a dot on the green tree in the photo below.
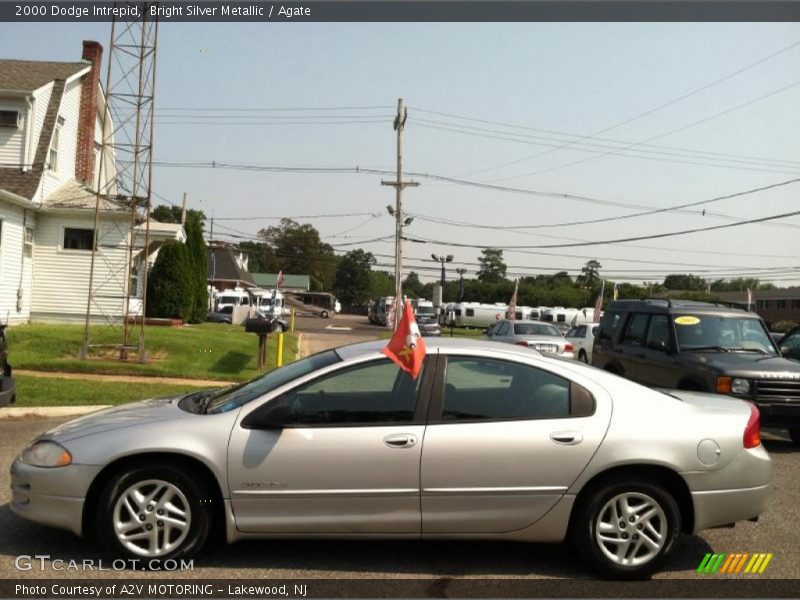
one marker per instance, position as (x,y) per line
(492,268)
(299,249)
(352,282)
(262,258)
(169,287)
(198,271)
(412,286)
(172,214)
(689,283)
(590,275)
(381,283)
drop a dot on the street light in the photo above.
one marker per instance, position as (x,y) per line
(442,259)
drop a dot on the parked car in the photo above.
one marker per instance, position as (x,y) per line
(704,347)
(426,317)
(789,344)
(518,446)
(582,339)
(221,315)
(7,387)
(544,337)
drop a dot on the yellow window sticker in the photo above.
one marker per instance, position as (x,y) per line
(687,320)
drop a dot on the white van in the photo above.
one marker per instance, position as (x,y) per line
(263,302)
(232,298)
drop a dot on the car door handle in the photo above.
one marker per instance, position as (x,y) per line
(402,440)
(566,438)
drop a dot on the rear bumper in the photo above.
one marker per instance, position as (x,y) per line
(779,414)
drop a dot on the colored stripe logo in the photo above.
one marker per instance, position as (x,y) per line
(741,562)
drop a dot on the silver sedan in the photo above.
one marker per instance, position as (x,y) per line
(544,337)
(491,441)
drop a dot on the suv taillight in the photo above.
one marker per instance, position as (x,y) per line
(752,432)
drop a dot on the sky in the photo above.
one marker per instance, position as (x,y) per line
(542,107)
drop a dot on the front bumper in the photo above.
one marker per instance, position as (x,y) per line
(779,414)
(52,496)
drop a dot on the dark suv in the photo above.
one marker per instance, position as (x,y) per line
(702,347)
(7,389)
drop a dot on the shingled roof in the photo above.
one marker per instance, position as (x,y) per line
(30,75)
(222,266)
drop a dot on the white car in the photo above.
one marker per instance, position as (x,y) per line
(582,338)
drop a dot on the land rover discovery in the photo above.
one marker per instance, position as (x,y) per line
(703,347)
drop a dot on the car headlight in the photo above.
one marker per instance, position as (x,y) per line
(740,386)
(45,453)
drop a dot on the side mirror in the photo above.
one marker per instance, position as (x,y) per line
(785,351)
(269,417)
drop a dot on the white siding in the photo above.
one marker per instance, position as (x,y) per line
(15,264)
(68,141)
(12,140)
(61,277)
(41,100)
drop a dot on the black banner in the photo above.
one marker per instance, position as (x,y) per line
(444,587)
(406,11)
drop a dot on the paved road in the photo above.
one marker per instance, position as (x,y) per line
(321,334)
(777,532)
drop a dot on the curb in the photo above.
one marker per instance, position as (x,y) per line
(16,413)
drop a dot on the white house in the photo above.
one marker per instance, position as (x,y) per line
(51,132)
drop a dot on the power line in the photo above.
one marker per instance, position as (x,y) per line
(646,112)
(618,240)
(273,109)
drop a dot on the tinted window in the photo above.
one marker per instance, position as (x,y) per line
(470,312)
(581,333)
(376,392)
(635,332)
(481,389)
(658,331)
(609,326)
(536,329)
(234,397)
(733,333)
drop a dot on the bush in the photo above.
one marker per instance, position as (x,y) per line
(782,326)
(169,284)
(198,271)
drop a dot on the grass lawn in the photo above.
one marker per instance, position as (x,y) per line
(51,391)
(205,351)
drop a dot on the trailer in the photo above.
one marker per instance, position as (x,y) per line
(477,315)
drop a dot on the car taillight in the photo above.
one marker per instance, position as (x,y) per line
(522,344)
(752,432)
(567,347)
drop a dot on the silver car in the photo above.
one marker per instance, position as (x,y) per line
(544,337)
(491,441)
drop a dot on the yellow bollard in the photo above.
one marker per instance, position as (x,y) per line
(280,350)
(291,323)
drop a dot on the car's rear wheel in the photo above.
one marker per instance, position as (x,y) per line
(582,357)
(153,513)
(324,314)
(795,435)
(625,529)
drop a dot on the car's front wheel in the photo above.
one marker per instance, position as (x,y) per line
(625,529)
(153,513)
(582,357)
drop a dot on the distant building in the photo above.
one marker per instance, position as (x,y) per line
(227,268)
(291,283)
(782,304)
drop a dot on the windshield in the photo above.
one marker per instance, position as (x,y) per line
(238,395)
(426,310)
(228,300)
(727,333)
(535,329)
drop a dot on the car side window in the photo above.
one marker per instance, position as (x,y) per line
(581,333)
(635,332)
(485,389)
(377,392)
(658,332)
(609,326)
(792,341)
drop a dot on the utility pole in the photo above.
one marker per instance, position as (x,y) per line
(399,185)
(183,208)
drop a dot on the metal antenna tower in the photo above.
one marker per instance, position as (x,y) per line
(117,295)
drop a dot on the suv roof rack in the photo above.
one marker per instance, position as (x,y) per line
(697,303)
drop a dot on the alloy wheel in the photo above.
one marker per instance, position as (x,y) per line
(631,529)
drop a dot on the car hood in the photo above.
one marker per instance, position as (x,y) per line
(746,364)
(129,415)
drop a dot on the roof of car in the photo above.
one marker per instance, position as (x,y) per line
(433,344)
(663,305)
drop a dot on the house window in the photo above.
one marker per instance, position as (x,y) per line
(9,118)
(28,241)
(782,304)
(78,239)
(796,303)
(52,157)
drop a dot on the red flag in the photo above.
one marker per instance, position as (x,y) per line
(511,313)
(598,305)
(280,279)
(407,348)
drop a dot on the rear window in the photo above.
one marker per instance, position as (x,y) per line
(536,329)
(609,326)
